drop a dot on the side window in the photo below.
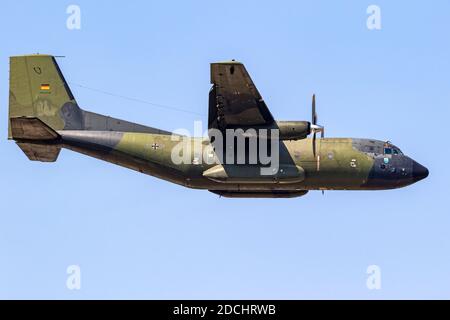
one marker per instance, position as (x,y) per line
(395,151)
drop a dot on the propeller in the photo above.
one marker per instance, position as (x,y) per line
(314,126)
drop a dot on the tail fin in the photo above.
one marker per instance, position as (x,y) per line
(38,92)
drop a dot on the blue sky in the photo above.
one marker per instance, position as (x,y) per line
(137,237)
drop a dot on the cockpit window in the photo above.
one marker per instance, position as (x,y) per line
(387,151)
(395,151)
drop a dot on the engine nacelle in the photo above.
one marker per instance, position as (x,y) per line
(294,130)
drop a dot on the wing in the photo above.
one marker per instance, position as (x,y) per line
(234,99)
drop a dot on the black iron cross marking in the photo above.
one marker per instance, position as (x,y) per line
(155,146)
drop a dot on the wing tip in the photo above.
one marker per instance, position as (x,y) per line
(227,62)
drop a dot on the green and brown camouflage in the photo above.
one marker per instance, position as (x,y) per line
(45,117)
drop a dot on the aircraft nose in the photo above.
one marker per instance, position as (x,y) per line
(419,172)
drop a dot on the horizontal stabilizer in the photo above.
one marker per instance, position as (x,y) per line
(31,129)
(40,152)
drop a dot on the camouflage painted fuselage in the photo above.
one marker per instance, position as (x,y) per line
(341,164)
(45,117)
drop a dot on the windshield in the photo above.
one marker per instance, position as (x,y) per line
(391,149)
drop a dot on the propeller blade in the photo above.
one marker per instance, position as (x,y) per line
(314,114)
(314,144)
(314,126)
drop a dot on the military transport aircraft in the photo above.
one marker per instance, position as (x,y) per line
(45,117)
